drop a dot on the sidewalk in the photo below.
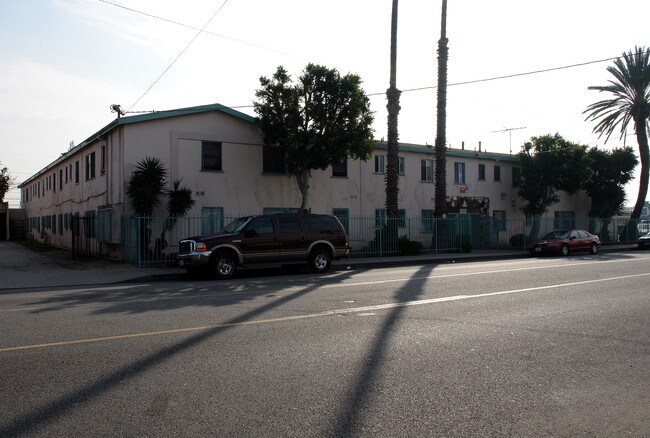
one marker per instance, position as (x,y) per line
(22,267)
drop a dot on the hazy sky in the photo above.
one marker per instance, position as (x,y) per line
(64,62)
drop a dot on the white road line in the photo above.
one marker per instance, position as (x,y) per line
(463,274)
(365,310)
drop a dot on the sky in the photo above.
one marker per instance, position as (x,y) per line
(63,63)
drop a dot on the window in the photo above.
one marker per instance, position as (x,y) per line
(76,172)
(459,173)
(273,160)
(263,226)
(102,160)
(564,220)
(481,172)
(104,219)
(343,215)
(289,225)
(379,164)
(90,166)
(89,221)
(211,155)
(497,173)
(66,174)
(60,179)
(528,220)
(499,217)
(211,220)
(340,170)
(380,217)
(320,224)
(426,170)
(427,221)
(516,177)
(402,166)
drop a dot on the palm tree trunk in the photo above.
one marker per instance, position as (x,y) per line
(440,195)
(392,159)
(302,178)
(441,128)
(642,139)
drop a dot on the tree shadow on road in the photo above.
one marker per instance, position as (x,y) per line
(359,398)
(39,417)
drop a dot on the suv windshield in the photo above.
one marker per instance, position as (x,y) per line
(236,225)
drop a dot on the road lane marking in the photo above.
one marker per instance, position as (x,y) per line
(242,291)
(364,309)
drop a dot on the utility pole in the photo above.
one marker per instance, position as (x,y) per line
(509,131)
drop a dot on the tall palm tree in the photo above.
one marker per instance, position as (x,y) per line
(440,197)
(392,94)
(631,102)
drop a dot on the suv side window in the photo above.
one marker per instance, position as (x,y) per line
(289,225)
(321,224)
(261,225)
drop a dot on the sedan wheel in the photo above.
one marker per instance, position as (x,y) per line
(594,248)
(565,250)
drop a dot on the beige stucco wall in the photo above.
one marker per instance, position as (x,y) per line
(242,187)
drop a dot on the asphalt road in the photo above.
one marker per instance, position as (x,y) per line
(530,347)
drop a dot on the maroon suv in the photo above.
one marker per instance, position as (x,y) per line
(267,239)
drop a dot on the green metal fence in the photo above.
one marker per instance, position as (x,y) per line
(154,240)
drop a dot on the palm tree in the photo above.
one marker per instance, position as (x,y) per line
(631,102)
(392,159)
(440,195)
(146,186)
(145,190)
(179,203)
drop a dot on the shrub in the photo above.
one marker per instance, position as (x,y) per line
(519,241)
(409,247)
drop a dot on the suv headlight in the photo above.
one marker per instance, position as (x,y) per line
(200,247)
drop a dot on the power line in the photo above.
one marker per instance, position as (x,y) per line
(179,55)
(199,29)
(514,75)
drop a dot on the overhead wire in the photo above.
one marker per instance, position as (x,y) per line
(188,26)
(179,55)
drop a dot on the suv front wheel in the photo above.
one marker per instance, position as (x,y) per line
(224,265)
(320,261)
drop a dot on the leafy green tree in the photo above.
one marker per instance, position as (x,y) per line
(6,181)
(606,187)
(319,121)
(630,88)
(549,163)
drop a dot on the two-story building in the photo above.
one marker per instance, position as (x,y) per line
(218,153)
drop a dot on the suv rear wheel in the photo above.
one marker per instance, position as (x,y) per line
(320,261)
(224,265)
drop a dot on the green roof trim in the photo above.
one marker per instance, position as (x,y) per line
(156,115)
(127,120)
(460,153)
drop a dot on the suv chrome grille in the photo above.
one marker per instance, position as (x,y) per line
(186,246)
